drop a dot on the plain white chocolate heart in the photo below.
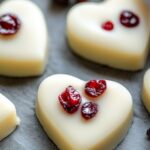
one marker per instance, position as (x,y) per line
(8,117)
(72,132)
(24,54)
(146,90)
(123,48)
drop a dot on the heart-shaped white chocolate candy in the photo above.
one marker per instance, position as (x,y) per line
(146,90)
(71,131)
(24,53)
(8,117)
(122,47)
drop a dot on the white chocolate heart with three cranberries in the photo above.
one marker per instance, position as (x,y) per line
(24,53)
(70,131)
(146,90)
(122,47)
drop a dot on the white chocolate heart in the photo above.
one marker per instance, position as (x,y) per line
(72,132)
(123,48)
(8,117)
(24,54)
(146,90)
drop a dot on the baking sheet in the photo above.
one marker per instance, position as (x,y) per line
(22,91)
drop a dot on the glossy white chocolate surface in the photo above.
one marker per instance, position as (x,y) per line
(24,54)
(8,117)
(123,48)
(71,132)
(146,90)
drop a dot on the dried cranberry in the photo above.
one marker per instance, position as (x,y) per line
(148,134)
(129,19)
(89,110)
(9,24)
(95,88)
(108,26)
(70,99)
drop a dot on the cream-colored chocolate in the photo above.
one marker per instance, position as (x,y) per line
(24,54)
(146,90)
(123,48)
(71,132)
(8,117)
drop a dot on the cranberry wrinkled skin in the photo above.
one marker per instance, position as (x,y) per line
(108,25)
(70,100)
(129,19)
(9,24)
(89,110)
(95,88)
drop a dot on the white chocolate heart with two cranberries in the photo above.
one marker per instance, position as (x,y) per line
(24,53)
(146,90)
(122,47)
(8,117)
(70,131)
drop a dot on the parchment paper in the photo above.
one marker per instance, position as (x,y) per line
(22,91)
